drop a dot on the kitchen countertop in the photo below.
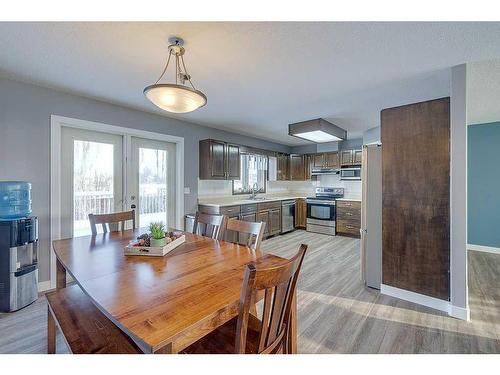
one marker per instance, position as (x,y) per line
(231,201)
(224,202)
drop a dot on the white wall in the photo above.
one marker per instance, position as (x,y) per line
(458,199)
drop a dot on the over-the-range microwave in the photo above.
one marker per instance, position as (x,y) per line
(350,173)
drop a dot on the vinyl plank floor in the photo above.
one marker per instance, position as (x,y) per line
(336,312)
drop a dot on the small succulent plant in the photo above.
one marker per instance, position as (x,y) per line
(157,230)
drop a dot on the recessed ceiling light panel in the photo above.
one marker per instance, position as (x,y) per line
(318,131)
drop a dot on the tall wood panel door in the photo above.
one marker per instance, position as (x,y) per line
(416,197)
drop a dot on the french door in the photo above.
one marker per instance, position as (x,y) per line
(105,173)
(150,186)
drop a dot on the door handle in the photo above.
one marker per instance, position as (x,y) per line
(133,206)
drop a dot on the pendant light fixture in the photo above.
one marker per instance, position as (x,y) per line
(178,97)
(317,131)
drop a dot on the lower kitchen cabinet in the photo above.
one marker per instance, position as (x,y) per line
(348,221)
(300,213)
(270,213)
(275,221)
(264,217)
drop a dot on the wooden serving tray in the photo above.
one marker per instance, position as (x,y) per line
(154,251)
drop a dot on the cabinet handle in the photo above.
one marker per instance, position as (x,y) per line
(348,214)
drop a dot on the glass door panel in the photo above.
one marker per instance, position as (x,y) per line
(91,178)
(152,182)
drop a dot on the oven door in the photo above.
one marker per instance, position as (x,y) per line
(321,211)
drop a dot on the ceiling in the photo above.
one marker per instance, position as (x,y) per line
(483,92)
(258,77)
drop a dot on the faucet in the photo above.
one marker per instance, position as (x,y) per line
(255,190)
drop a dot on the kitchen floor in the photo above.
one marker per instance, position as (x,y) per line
(336,313)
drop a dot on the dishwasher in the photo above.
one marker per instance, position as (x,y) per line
(287,216)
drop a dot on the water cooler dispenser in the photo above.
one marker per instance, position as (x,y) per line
(18,247)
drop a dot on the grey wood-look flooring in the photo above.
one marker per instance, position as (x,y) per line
(336,312)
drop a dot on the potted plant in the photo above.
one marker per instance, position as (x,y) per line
(157,230)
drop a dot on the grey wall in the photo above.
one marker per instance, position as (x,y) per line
(25,112)
(483,202)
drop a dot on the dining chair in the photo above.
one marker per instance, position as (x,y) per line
(115,218)
(207,225)
(248,334)
(250,233)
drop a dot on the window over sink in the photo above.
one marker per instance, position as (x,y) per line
(253,173)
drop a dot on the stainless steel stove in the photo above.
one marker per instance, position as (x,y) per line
(321,212)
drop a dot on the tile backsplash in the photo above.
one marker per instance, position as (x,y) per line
(217,188)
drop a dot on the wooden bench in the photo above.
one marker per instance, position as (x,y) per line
(85,328)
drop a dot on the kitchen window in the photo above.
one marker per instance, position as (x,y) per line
(253,171)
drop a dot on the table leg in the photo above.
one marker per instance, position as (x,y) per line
(60,275)
(51,333)
(292,330)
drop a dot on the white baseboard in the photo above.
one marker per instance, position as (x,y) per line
(433,303)
(44,285)
(486,249)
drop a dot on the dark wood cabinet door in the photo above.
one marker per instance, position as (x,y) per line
(300,213)
(275,221)
(416,197)
(357,156)
(346,158)
(233,165)
(319,160)
(332,160)
(217,159)
(283,167)
(297,171)
(308,165)
(264,217)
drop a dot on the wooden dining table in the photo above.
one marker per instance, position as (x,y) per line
(163,303)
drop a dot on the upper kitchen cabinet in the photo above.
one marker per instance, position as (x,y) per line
(332,160)
(283,172)
(326,160)
(219,160)
(297,167)
(350,157)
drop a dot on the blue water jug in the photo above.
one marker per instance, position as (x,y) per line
(15,199)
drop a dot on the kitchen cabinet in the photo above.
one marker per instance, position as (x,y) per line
(275,221)
(264,217)
(300,213)
(308,165)
(270,213)
(348,220)
(350,157)
(283,173)
(218,160)
(297,167)
(326,160)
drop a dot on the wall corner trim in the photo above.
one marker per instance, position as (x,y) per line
(486,249)
(433,303)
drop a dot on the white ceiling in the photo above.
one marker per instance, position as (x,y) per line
(258,77)
(483,92)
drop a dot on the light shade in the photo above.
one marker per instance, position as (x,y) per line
(318,130)
(318,136)
(175,98)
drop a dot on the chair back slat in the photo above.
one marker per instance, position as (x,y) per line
(279,284)
(111,221)
(212,226)
(250,233)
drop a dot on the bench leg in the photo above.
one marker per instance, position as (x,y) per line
(60,275)
(51,333)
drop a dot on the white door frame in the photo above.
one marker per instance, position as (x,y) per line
(56,123)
